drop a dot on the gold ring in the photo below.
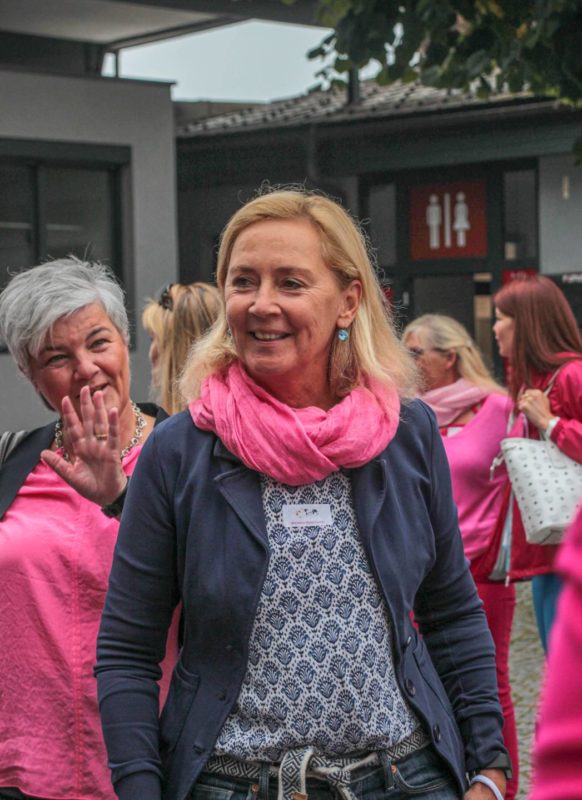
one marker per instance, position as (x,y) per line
(101,437)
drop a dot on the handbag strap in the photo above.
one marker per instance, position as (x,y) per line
(552,381)
(8,441)
(500,458)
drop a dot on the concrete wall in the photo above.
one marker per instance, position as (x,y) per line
(560,214)
(101,111)
(203,213)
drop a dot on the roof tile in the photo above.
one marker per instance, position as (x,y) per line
(397,99)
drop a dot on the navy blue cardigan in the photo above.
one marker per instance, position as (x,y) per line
(193,530)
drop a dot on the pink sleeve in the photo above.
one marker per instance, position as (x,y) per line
(567,404)
(557,760)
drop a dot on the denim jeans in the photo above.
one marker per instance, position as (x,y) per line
(422,774)
(545,592)
(11,794)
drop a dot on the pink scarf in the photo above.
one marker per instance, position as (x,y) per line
(295,446)
(449,402)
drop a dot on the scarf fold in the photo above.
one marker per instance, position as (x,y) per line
(449,402)
(295,446)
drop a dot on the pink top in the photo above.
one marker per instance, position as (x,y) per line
(470,453)
(56,550)
(558,746)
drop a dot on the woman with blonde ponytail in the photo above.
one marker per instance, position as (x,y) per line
(181,315)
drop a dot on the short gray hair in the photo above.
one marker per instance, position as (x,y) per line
(36,298)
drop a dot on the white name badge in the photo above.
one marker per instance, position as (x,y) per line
(295,516)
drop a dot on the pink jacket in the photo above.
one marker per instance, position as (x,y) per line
(565,402)
(558,746)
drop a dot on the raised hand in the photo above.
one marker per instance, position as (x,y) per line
(92,465)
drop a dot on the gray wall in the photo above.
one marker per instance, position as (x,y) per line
(560,216)
(101,111)
(203,213)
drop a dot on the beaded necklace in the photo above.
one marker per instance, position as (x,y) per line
(140,424)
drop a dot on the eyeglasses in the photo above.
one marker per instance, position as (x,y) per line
(165,300)
(417,352)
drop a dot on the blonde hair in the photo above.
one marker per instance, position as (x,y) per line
(446,334)
(373,347)
(183,314)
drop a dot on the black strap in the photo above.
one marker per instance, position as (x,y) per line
(8,441)
(21,461)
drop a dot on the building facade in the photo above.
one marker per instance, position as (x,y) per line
(87,166)
(455,193)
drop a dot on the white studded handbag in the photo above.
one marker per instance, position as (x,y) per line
(547,485)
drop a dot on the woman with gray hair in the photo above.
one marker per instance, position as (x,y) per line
(66,326)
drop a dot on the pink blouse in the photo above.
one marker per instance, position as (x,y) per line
(56,550)
(470,453)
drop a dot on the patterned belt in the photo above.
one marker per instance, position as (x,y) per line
(301,763)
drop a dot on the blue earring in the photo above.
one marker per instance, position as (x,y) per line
(343,334)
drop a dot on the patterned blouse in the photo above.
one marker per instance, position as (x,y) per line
(320,669)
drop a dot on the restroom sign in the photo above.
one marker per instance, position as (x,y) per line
(448,220)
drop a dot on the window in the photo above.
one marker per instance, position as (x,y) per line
(520,216)
(382,211)
(62,199)
(16,219)
(79,213)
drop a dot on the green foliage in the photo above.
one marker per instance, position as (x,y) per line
(485,44)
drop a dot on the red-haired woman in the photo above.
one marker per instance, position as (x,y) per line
(537,332)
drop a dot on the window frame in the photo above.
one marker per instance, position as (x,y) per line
(115,160)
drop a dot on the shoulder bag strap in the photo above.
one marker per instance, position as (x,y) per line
(8,441)
(21,461)
(550,385)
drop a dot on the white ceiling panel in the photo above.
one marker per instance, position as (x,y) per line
(94,21)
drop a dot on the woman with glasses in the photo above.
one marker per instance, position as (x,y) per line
(183,313)
(472,412)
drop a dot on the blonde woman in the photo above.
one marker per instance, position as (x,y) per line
(472,410)
(181,315)
(454,376)
(299,509)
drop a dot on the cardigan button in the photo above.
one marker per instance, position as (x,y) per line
(410,687)
(408,642)
(436,732)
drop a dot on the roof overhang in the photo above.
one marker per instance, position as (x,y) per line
(113,24)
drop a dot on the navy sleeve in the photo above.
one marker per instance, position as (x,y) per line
(143,592)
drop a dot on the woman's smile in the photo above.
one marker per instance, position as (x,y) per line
(262,336)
